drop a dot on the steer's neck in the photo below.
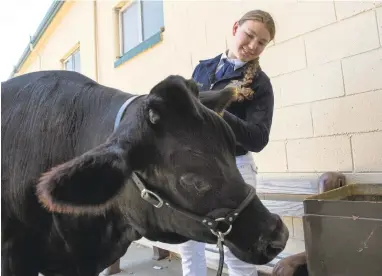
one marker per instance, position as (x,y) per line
(99,120)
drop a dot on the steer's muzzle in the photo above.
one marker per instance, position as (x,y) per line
(267,246)
(272,244)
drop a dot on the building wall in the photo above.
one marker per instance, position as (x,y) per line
(72,27)
(138,75)
(325,66)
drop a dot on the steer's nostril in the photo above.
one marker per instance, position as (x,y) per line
(278,245)
(279,238)
(273,251)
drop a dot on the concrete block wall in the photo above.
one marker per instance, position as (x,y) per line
(326,71)
(325,65)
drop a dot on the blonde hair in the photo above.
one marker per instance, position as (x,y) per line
(245,91)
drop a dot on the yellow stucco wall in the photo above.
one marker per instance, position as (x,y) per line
(72,26)
(186,40)
(142,72)
(193,31)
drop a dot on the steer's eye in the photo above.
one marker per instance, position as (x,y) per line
(194,182)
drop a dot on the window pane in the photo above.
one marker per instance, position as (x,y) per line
(77,61)
(152,17)
(130,27)
(69,64)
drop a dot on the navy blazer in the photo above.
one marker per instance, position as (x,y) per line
(250,120)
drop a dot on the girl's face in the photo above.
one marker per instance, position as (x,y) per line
(250,40)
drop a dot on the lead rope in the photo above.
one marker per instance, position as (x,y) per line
(221,253)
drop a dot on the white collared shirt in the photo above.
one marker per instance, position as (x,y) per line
(236,62)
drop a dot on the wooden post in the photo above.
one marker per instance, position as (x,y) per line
(159,253)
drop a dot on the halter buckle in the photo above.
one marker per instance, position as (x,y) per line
(151,197)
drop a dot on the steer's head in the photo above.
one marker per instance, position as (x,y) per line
(185,153)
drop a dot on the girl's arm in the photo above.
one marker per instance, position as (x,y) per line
(253,133)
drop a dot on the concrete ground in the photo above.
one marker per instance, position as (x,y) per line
(138,262)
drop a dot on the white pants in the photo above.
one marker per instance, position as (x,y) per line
(193,253)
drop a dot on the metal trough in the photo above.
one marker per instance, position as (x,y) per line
(343,231)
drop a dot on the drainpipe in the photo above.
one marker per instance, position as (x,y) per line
(31,48)
(95,29)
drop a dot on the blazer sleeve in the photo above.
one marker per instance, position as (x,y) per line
(253,132)
(195,73)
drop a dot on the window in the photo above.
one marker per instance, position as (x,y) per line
(73,62)
(139,21)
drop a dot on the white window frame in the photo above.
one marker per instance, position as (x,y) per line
(71,56)
(140,24)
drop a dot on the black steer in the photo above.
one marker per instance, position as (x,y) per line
(76,192)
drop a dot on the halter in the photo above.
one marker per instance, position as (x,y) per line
(158,201)
(122,110)
(212,224)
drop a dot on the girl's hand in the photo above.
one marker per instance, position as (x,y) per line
(289,265)
(284,268)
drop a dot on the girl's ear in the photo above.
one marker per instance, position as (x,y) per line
(235,27)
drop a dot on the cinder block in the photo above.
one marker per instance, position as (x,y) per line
(295,18)
(319,154)
(216,34)
(367,152)
(294,246)
(211,29)
(337,40)
(197,30)
(298,228)
(277,87)
(222,22)
(346,9)
(363,72)
(289,224)
(292,122)
(272,158)
(275,61)
(316,83)
(379,22)
(356,113)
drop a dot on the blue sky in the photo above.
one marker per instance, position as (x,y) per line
(18,20)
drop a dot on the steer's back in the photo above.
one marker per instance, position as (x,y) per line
(45,118)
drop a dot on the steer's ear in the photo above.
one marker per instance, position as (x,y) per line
(174,93)
(218,100)
(191,84)
(86,184)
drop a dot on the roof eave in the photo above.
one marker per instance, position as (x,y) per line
(49,16)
